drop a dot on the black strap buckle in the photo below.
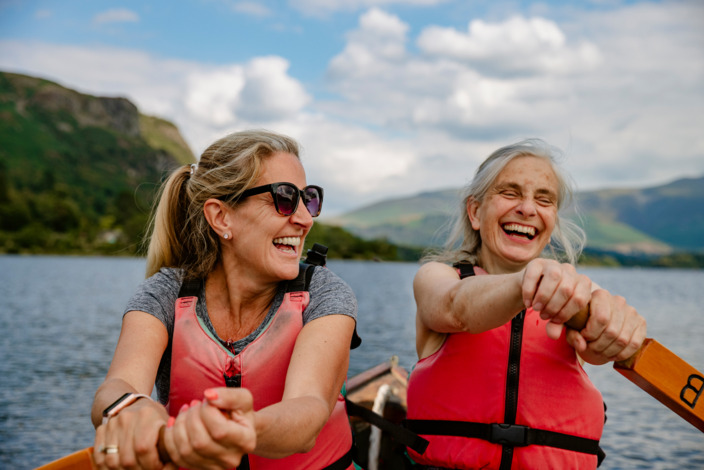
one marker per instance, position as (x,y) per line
(513,435)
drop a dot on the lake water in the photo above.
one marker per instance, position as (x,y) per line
(60,318)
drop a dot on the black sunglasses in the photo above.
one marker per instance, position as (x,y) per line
(287,195)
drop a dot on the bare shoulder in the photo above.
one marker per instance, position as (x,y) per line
(432,270)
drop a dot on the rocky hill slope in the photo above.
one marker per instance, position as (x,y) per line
(78,172)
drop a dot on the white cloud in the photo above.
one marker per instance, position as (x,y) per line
(269,92)
(214,95)
(117,15)
(515,46)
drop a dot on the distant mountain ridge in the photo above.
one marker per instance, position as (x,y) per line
(656,220)
(78,172)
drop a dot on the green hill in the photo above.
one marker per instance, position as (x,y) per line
(77,172)
(412,221)
(651,221)
(672,214)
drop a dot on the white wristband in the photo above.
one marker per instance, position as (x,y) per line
(123,402)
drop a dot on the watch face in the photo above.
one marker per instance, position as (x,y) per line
(115,403)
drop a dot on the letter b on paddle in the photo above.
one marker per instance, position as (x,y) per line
(696,390)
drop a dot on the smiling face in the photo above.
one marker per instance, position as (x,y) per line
(517,216)
(265,243)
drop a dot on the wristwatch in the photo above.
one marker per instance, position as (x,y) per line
(123,402)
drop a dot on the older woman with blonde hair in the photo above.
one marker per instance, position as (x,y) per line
(247,347)
(499,381)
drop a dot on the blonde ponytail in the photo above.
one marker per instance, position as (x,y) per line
(166,226)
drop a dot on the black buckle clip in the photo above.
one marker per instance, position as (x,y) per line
(513,435)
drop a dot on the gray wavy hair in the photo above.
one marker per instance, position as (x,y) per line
(464,243)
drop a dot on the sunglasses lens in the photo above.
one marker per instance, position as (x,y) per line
(313,200)
(286,199)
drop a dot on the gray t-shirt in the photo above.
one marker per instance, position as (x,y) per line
(329,295)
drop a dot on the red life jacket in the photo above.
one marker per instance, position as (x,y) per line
(507,398)
(200,361)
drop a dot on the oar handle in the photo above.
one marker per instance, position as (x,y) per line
(161,447)
(578,321)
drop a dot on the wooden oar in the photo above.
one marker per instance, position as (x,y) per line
(83,459)
(663,375)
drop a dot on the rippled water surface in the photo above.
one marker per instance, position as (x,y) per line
(60,318)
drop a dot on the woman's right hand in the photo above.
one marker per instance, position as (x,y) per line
(215,433)
(556,291)
(135,433)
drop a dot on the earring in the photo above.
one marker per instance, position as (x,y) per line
(226,236)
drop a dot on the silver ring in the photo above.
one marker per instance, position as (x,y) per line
(108,449)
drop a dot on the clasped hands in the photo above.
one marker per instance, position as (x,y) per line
(213,433)
(614,330)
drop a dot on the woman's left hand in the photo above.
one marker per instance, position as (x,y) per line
(214,433)
(614,330)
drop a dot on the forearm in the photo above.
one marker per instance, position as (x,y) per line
(107,393)
(477,304)
(485,302)
(139,350)
(290,426)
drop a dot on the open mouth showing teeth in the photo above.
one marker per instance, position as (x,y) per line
(287,243)
(520,230)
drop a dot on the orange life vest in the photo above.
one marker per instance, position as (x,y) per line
(200,361)
(507,398)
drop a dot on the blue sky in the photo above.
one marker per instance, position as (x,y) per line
(393,97)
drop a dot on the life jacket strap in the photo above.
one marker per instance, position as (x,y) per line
(191,288)
(343,462)
(397,432)
(317,256)
(512,435)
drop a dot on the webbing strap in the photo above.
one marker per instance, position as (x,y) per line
(513,435)
(343,462)
(397,432)
(191,288)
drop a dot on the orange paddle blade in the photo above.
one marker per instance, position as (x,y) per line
(661,373)
(81,460)
(669,379)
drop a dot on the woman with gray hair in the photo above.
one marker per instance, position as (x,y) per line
(248,348)
(499,381)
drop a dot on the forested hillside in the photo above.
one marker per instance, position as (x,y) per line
(77,172)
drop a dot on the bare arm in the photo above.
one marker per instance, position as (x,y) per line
(315,376)
(446,304)
(142,342)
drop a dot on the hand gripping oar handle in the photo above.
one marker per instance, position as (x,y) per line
(83,459)
(161,447)
(579,320)
(662,374)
